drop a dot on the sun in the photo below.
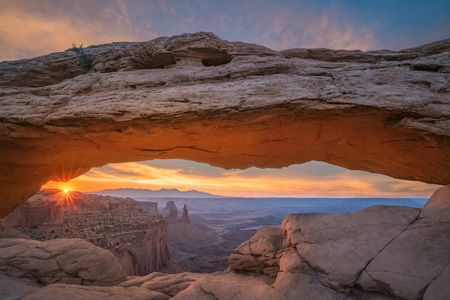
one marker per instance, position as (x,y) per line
(65,195)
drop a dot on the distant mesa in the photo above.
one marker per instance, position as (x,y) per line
(148,193)
(170,205)
(150,208)
(171,213)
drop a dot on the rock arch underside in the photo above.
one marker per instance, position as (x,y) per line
(238,105)
(229,104)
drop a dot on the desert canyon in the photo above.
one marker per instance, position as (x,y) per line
(232,105)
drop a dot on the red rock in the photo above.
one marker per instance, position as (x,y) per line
(136,104)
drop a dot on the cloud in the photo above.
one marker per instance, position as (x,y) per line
(313,179)
(31,28)
(313,28)
(28,29)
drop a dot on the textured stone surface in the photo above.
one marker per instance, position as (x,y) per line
(381,252)
(417,257)
(76,292)
(169,284)
(15,288)
(229,286)
(296,280)
(60,260)
(339,246)
(439,289)
(229,104)
(259,253)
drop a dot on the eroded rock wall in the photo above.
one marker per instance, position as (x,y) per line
(120,225)
(229,104)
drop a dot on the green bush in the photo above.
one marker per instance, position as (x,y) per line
(84,59)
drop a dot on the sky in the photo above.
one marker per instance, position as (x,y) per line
(31,28)
(312,179)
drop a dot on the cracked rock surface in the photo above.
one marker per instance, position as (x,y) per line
(228,104)
(73,261)
(378,253)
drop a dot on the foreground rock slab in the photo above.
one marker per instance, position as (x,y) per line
(75,292)
(381,252)
(418,257)
(61,260)
(169,284)
(16,288)
(228,104)
(230,286)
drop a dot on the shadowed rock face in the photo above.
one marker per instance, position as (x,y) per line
(229,104)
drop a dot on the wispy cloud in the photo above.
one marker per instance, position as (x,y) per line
(29,28)
(310,27)
(27,31)
(313,179)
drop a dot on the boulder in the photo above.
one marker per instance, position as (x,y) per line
(259,254)
(416,259)
(339,246)
(59,260)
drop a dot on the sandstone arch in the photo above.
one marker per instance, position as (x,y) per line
(229,104)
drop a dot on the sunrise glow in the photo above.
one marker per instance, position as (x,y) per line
(314,179)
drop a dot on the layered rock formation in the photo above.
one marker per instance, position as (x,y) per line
(150,207)
(171,213)
(172,217)
(229,104)
(381,252)
(120,225)
(185,217)
(170,205)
